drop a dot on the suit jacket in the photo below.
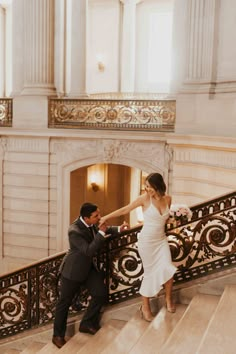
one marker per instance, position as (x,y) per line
(83,247)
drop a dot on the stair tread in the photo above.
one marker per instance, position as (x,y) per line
(219,335)
(192,325)
(102,338)
(48,348)
(77,341)
(33,347)
(158,331)
(127,337)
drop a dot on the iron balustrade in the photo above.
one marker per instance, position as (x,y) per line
(153,114)
(6,105)
(199,247)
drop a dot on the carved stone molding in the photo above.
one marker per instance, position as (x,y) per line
(137,154)
(24,144)
(212,157)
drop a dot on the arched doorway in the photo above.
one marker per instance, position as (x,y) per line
(69,156)
(110,186)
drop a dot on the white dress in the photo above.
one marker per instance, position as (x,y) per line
(155,252)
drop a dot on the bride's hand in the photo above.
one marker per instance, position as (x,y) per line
(102,220)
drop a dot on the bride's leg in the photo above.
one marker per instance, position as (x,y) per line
(168,289)
(146,309)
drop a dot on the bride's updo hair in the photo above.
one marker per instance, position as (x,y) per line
(156,181)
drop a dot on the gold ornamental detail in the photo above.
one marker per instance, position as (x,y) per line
(157,115)
(5,112)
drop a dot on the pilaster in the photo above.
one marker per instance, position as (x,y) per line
(202,30)
(76,32)
(128,45)
(38,47)
(2,59)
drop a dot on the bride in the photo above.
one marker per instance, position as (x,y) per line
(152,242)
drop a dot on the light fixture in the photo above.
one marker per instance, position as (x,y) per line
(101,66)
(100,62)
(95,186)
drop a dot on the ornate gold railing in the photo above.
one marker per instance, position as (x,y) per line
(6,112)
(122,114)
(203,246)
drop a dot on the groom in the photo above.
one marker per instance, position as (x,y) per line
(80,268)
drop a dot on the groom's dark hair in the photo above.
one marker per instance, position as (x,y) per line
(87,209)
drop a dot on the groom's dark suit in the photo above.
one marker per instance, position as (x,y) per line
(79,269)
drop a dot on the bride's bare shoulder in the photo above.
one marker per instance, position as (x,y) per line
(168,199)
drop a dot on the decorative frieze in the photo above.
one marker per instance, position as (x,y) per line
(6,112)
(157,115)
(121,151)
(112,151)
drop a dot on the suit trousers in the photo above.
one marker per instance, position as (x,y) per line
(68,289)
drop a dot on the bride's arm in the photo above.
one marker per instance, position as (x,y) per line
(124,210)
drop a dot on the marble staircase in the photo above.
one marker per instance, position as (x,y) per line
(204,326)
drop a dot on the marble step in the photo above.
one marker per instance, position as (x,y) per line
(77,341)
(47,348)
(102,338)
(220,335)
(188,332)
(128,335)
(158,331)
(11,351)
(34,347)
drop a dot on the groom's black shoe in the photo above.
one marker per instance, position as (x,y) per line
(58,341)
(87,329)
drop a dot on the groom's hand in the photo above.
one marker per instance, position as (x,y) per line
(124,226)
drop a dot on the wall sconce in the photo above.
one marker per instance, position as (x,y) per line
(100,62)
(101,66)
(95,186)
(95,179)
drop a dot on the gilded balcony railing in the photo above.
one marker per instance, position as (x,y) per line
(6,112)
(110,113)
(200,247)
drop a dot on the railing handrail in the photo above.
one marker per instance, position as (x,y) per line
(211,201)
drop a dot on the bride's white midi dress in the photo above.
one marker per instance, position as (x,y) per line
(154,252)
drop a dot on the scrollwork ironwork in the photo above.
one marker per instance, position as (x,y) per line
(112,113)
(13,305)
(126,268)
(199,247)
(6,112)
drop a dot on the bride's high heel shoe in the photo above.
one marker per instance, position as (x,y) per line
(147,318)
(171,309)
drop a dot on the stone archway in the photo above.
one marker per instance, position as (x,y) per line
(72,154)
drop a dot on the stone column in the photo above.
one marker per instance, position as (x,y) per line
(128,45)
(59,59)
(38,47)
(202,25)
(5,48)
